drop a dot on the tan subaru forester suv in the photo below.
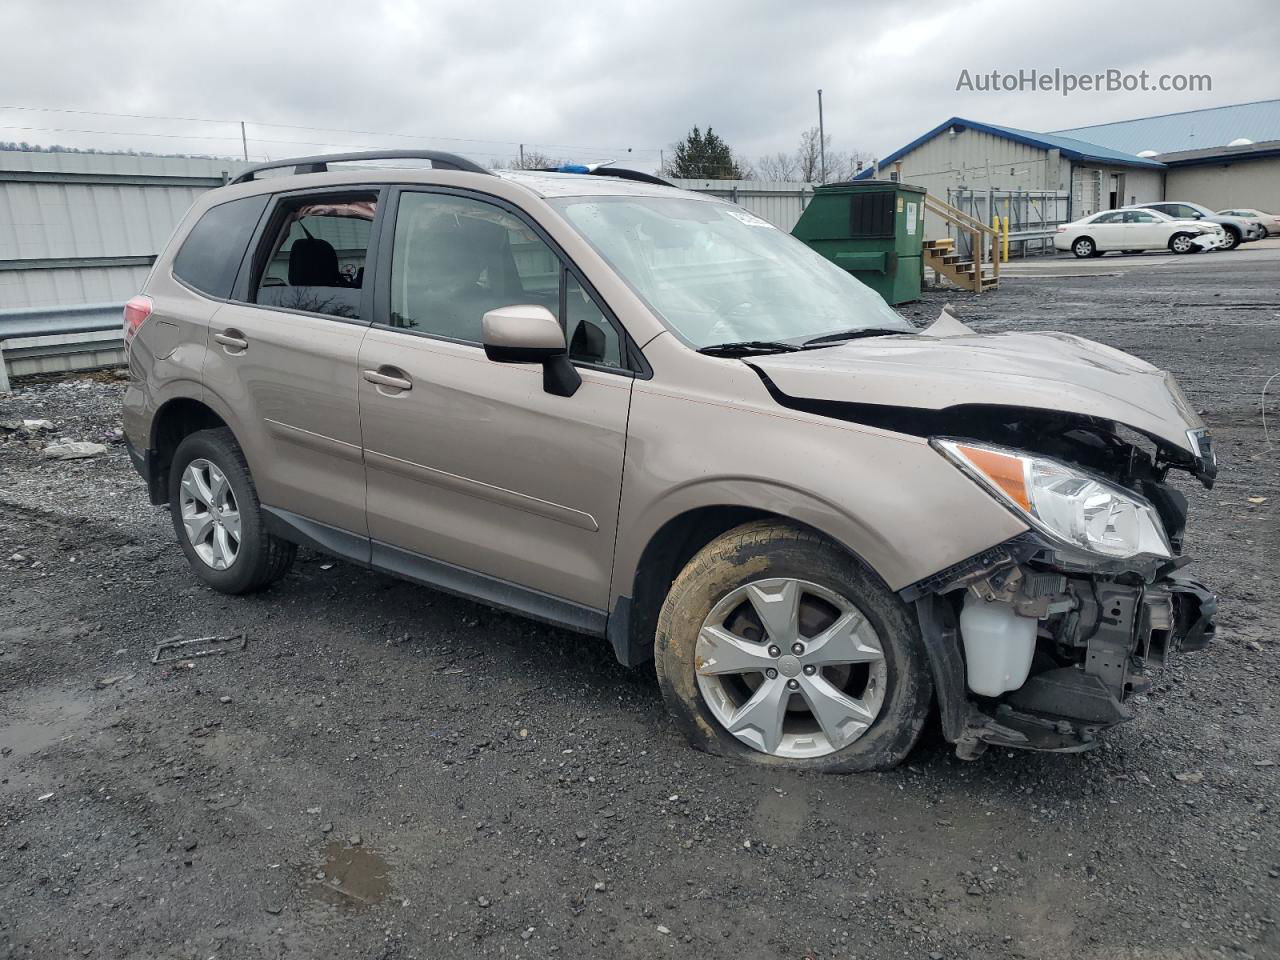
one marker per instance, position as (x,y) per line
(647,415)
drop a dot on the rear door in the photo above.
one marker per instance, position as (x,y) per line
(1108,231)
(477,477)
(283,358)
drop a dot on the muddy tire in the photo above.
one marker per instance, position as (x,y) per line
(209,485)
(893,681)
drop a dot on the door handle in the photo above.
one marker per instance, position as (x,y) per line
(389,380)
(232,342)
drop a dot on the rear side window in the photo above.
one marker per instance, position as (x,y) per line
(316,260)
(211,254)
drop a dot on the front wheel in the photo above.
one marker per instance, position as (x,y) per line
(776,646)
(218,519)
(1084,247)
(1182,243)
(1230,240)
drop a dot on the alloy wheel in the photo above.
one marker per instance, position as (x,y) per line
(210,514)
(790,668)
(1181,244)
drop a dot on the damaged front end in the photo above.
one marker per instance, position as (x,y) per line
(1040,643)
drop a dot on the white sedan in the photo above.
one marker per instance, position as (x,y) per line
(1134,231)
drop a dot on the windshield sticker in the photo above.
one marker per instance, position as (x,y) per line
(749,219)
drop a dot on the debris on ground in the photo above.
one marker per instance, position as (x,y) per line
(73,450)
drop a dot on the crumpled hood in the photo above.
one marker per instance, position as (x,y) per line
(950,365)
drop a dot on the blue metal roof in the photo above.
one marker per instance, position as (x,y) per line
(1189,130)
(1070,147)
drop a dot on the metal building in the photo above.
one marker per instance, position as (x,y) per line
(1038,180)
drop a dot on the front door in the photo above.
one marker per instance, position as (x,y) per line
(283,356)
(476,475)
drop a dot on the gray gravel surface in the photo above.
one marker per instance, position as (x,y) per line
(389,772)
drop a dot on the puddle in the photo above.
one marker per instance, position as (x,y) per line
(48,717)
(351,877)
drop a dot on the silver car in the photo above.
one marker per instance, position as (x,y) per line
(1238,229)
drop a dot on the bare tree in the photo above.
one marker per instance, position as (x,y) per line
(809,155)
(777,166)
(528,160)
(806,163)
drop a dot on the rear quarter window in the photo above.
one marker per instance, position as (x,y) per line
(210,255)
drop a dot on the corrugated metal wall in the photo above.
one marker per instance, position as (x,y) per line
(779,201)
(84,228)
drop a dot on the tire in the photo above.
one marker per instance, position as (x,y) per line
(1232,239)
(1182,243)
(895,688)
(1084,247)
(258,559)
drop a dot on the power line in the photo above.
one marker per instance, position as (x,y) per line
(287,126)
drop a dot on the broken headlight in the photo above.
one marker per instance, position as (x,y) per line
(1072,507)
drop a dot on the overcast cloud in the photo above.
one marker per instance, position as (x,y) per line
(588,80)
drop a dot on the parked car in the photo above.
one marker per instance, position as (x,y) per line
(649,416)
(1239,229)
(1270,221)
(1134,231)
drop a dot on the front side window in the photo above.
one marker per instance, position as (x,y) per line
(316,256)
(210,255)
(456,258)
(714,273)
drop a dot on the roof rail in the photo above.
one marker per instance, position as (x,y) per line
(320,164)
(605,170)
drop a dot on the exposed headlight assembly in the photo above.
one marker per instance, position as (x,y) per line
(1074,508)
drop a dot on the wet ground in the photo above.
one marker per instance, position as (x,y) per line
(388,772)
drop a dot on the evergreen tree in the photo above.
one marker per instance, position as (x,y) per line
(703,156)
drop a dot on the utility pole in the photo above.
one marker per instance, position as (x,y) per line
(244,142)
(522,156)
(822,142)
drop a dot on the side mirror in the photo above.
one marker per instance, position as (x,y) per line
(528,333)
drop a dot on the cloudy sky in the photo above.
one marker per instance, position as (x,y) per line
(592,80)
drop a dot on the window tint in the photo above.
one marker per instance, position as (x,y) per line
(211,254)
(316,257)
(455,259)
(1107,218)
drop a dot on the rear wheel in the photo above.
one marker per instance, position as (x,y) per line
(1182,243)
(218,519)
(775,646)
(1084,247)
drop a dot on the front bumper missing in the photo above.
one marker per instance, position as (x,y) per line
(1120,633)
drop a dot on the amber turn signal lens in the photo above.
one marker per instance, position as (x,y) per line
(1006,472)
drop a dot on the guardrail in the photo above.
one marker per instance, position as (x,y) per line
(55,339)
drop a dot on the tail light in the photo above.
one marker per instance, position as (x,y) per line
(1062,229)
(136,312)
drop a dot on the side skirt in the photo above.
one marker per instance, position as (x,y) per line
(447,577)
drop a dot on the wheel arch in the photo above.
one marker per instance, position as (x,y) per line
(641,586)
(173,422)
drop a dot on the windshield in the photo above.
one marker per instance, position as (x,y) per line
(715,274)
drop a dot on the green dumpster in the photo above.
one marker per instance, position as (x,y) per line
(873,229)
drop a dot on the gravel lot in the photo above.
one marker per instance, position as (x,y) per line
(388,772)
